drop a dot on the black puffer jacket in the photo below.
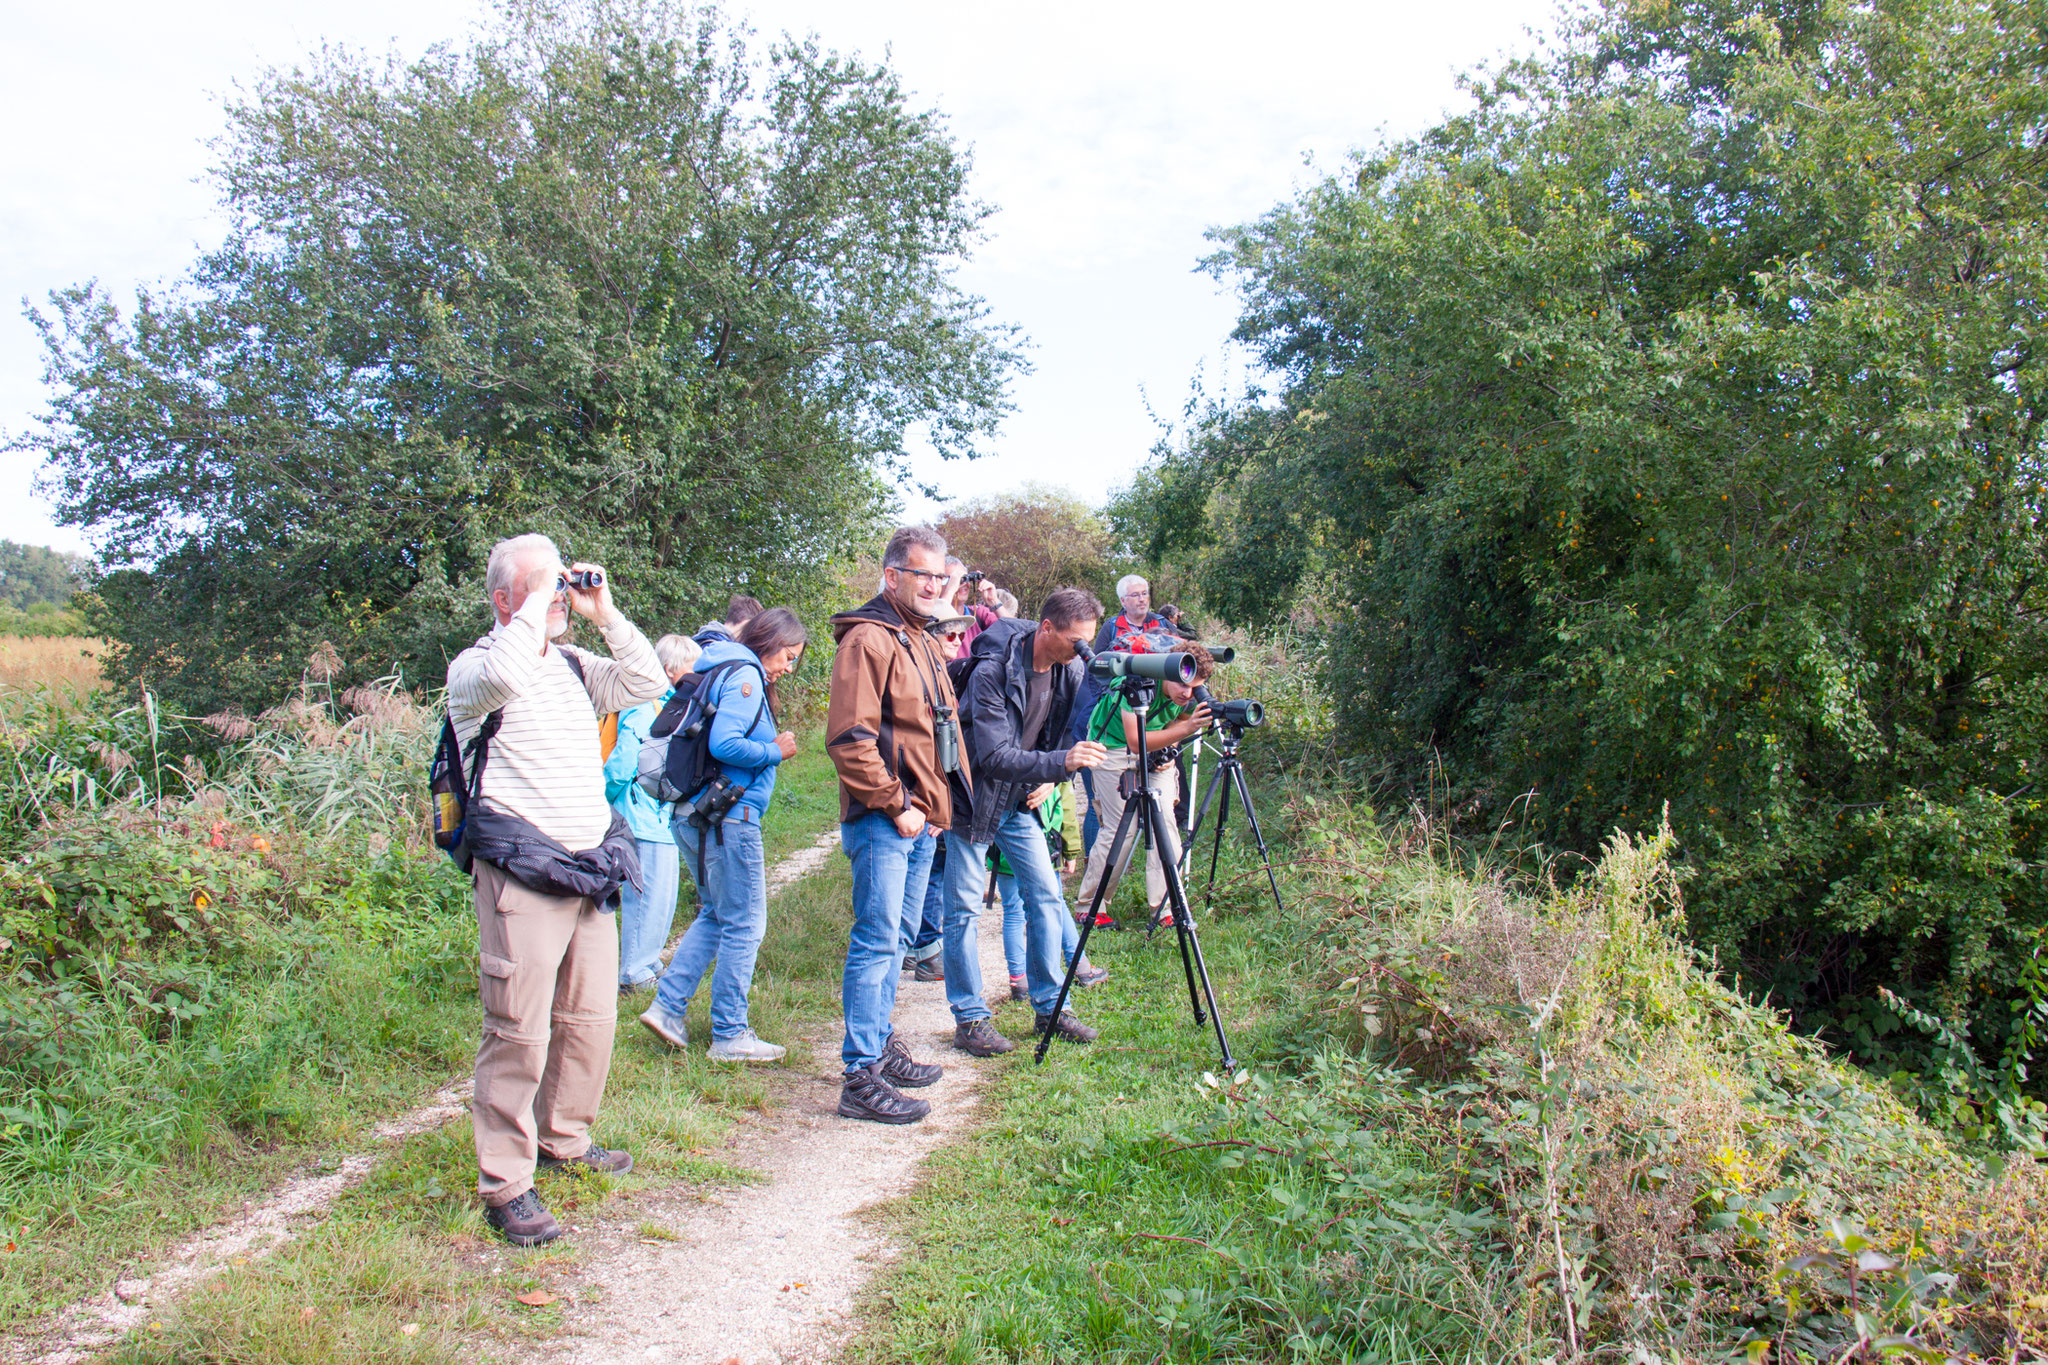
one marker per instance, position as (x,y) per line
(541,864)
(1008,765)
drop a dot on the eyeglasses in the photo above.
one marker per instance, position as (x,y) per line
(926,574)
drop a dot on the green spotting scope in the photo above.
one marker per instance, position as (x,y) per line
(1178,668)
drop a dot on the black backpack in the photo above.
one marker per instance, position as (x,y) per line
(450,792)
(675,758)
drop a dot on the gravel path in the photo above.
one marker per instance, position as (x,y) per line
(772,1271)
(76,1332)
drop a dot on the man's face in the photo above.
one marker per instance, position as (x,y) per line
(1138,600)
(919,587)
(1064,638)
(539,574)
(1179,693)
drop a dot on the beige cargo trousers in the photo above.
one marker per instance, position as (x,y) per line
(548,972)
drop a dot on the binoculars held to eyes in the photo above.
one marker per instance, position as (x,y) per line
(580,579)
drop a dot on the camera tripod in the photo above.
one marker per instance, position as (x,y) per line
(1144,810)
(1231,767)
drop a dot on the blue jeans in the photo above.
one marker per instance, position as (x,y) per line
(1022,841)
(730,924)
(645,915)
(931,930)
(1090,825)
(1013,927)
(889,877)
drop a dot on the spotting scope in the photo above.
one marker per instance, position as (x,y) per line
(1238,715)
(1178,668)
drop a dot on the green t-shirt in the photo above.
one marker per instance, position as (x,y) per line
(1106,721)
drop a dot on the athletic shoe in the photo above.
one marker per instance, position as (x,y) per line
(670,1028)
(1066,1026)
(978,1038)
(603,1161)
(1103,920)
(1017,991)
(930,969)
(865,1095)
(904,1071)
(1163,919)
(909,963)
(524,1221)
(745,1047)
(1091,975)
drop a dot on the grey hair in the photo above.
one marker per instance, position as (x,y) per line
(1123,585)
(955,562)
(1007,601)
(506,556)
(677,652)
(908,538)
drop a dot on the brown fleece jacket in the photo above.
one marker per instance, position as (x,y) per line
(886,678)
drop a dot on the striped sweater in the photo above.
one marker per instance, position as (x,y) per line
(545,764)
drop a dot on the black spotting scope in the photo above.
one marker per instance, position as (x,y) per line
(1178,668)
(1238,715)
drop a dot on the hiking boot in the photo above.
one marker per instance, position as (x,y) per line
(865,1095)
(745,1047)
(601,1160)
(1017,991)
(904,1071)
(929,969)
(978,1038)
(1066,1026)
(524,1221)
(1091,975)
(665,1026)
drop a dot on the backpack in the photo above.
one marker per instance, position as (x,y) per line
(958,671)
(675,758)
(450,793)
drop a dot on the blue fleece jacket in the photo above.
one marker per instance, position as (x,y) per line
(645,816)
(743,734)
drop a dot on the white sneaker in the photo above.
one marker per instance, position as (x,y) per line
(665,1026)
(745,1048)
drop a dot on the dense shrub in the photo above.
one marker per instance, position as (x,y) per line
(1666,427)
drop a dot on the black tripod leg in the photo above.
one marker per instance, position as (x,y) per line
(1258,837)
(1216,852)
(1116,844)
(1191,950)
(1202,809)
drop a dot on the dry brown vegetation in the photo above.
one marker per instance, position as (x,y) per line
(59,660)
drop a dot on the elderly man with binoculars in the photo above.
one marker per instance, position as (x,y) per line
(550,855)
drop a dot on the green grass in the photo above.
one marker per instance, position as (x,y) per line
(410,1245)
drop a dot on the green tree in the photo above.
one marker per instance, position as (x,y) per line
(1031,541)
(35,575)
(608,276)
(1667,427)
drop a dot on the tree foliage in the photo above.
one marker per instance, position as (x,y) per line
(1666,427)
(610,276)
(1032,541)
(35,575)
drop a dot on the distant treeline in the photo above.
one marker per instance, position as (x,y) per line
(1667,427)
(35,575)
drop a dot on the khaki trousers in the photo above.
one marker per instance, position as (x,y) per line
(1109,809)
(548,970)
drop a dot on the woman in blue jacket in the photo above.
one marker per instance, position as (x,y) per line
(733,877)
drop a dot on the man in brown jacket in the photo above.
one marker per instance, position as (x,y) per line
(892,729)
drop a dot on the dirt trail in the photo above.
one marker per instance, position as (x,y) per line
(769,1272)
(76,1332)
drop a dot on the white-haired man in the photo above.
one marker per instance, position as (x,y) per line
(541,829)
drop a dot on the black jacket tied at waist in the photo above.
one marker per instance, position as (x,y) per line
(541,864)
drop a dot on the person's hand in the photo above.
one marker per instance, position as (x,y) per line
(1086,754)
(1037,797)
(787,743)
(1197,720)
(1067,868)
(594,603)
(910,823)
(988,593)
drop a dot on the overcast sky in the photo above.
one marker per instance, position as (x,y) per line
(1110,135)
